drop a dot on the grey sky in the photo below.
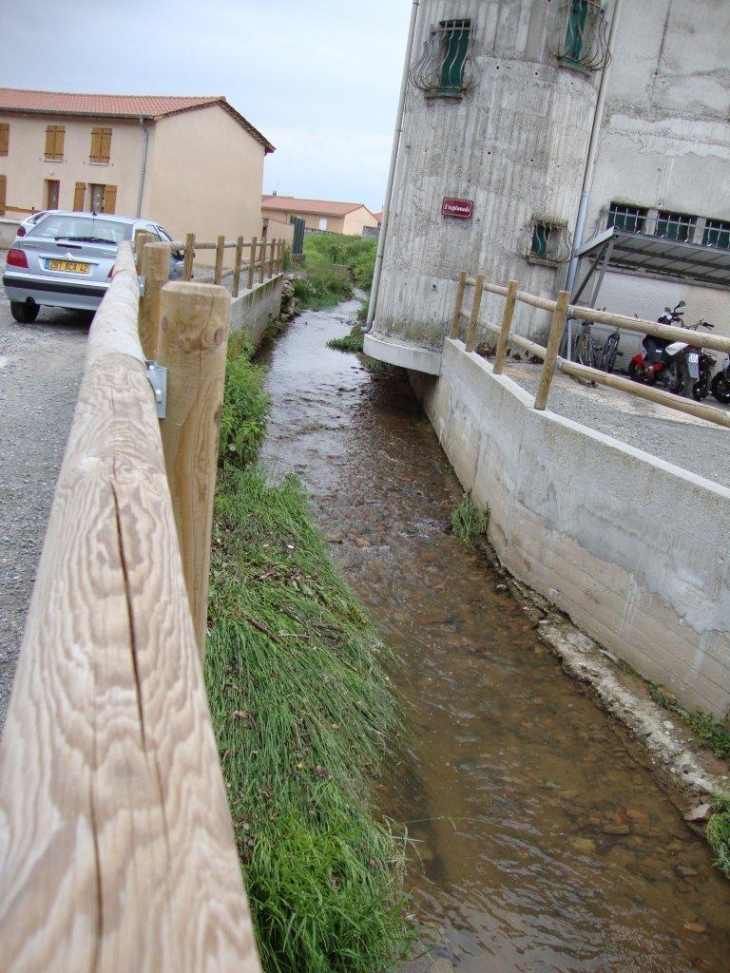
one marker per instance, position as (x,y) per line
(318,78)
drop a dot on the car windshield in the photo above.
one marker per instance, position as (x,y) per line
(84,229)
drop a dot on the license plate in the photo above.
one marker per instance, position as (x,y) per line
(693,357)
(69,266)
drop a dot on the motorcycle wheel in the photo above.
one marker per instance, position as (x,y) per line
(700,390)
(721,388)
(634,372)
(675,383)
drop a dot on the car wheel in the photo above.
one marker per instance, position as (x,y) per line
(24,313)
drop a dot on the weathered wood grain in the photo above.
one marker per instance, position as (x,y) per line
(116,846)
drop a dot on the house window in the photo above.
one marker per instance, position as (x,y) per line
(445,67)
(674,226)
(628,219)
(4,137)
(102,199)
(3,185)
(55,137)
(101,144)
(716,234)
(53,191)
(575,33)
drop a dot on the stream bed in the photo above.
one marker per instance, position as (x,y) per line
(542,838)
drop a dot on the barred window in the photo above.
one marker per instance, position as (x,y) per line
(445,66)
(550,243)
(629,219)
(716,234)
(674,226)
(581,39)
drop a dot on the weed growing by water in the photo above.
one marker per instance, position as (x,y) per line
(718,836)
(333,264)
(469,522)
(245,404)
(710,731)
(351,342)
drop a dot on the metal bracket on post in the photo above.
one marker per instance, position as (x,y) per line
(157,375)
(141,285)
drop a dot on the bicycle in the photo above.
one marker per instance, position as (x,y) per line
(584,349)
(610,351)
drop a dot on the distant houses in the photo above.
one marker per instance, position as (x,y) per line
(319,214)
(192,163)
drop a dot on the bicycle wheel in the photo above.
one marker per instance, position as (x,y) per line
(584,351)
(610,350)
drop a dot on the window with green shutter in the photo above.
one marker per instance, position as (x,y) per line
(455,47)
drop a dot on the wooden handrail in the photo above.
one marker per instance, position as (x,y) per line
(562,310)
(116,844)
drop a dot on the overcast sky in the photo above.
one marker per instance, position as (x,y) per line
(319,78)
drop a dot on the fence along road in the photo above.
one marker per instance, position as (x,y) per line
(116,846)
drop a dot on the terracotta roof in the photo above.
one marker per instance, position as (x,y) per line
(149,107)
(319,207)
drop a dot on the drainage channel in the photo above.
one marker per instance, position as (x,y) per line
(542,840)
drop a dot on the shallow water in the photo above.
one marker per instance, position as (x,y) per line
(542,841)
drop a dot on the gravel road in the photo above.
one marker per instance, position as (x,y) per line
(40,371)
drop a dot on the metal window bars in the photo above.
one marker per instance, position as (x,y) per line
(629,219)
(581,39)
(716,234)
(446,66)
(546,241)
(678,227)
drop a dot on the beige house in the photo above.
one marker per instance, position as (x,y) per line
(193,164)
(319,214)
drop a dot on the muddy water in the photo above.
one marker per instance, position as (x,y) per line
(542,842)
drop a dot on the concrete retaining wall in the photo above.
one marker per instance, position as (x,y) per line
(255,309)
(635,550)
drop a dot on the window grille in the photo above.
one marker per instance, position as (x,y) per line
(674,226)
(716,234)
(446,67)
(548,242)
(629,219)
(581,39)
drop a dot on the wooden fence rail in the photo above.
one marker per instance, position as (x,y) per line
(269,261)
(561,311)
(116,845)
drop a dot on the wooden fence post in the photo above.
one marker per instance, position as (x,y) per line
(471,335)
(237,267)
(219,254)
(271,259)
(262,261)
(509,309)
(252,262)
(156,273)
(141,239)
(192,345)
(456,317)
(551,352)
(189,256)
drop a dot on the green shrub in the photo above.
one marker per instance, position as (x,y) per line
(333,263)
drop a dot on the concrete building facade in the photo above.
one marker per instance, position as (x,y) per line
(193,164)
(501,101)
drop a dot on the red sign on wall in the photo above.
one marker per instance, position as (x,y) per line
(461,209)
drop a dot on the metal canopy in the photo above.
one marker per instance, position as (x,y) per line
(655,256)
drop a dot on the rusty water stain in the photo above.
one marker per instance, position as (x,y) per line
(542,841)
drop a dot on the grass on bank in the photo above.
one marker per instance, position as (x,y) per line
(713,734)
(303,713)
(333,265)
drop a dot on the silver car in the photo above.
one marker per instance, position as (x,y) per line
(66,260)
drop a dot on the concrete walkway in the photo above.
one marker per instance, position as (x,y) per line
(687,442)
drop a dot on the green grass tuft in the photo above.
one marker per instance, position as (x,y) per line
(469,522)
(718,836)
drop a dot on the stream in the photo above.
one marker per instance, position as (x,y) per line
(542,839)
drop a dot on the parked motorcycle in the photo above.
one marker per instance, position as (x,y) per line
(654,365)
(693,365)
(720,385)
